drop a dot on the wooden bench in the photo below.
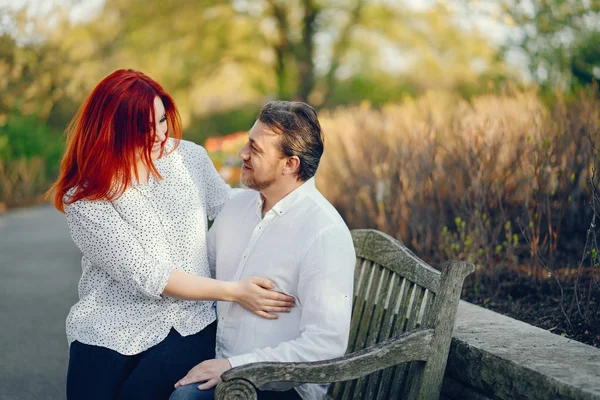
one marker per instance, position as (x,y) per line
(402,320)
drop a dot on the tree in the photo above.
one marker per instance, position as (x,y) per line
(216,55)
(585,64)
(298,49)
(551,32)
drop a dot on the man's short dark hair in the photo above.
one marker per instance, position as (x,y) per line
(300,131)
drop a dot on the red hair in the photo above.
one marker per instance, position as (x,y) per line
(111,130)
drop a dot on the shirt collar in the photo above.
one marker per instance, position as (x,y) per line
(285,204)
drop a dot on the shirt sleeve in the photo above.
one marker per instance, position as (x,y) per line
(216,190)
(110,244)
(325,293)
(211,251)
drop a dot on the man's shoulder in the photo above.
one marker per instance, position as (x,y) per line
(320,216)
(241,200)
(244,195)
(234,212)
(324,210)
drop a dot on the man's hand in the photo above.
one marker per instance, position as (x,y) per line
(208,371)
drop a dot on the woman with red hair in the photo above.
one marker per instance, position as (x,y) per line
(137,199)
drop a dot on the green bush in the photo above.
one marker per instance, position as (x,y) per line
(222,123)
(30,155)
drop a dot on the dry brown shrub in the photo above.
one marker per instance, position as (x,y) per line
(496,180)
(504,181)
(22,180)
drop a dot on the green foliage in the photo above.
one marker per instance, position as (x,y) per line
(586,57)
(560,38)
(376,90)
(474,240)
(221,123)
(30,155)
(221,59)
(220,55)
(27,137)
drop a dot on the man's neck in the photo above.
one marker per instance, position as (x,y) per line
(274,193)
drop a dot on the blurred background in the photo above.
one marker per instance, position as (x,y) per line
(467,129)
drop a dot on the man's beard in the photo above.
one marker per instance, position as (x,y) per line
(257,185)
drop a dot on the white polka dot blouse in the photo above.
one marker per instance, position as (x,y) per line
(131,245)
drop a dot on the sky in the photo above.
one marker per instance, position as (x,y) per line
(80,10)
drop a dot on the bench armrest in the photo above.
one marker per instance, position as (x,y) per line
(241,382)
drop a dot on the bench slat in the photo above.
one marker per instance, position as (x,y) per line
(376,246)
(401,373)
(365,274)
(394,323)
(365,323)
(412,312)
(378,310)
(360,311)
(385,330)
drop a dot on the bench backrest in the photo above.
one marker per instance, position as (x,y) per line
(394,292)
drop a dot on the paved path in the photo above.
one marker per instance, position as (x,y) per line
(39,271)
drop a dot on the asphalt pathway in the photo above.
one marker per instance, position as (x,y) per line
(39,271)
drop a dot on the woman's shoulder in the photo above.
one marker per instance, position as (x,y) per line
(84,205)
(186,147)
(190,153)
(68,202)
(79,204)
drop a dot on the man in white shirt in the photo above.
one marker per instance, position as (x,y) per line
(287,231)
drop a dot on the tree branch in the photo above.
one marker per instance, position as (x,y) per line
(340,48)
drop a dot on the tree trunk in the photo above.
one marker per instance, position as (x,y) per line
(306,67)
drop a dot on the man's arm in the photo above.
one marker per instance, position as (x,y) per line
(211,248)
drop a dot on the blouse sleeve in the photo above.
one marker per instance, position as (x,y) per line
(216,190)
(110,244)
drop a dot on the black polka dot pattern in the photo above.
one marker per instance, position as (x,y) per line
(131,245)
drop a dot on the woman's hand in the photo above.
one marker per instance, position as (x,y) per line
(256,295)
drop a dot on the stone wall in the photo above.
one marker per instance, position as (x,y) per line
(497,357)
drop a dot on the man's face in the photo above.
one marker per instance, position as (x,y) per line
(262,159)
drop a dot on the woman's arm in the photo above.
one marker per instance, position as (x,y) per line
(110,244)
(252,293)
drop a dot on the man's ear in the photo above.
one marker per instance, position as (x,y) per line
(292,166)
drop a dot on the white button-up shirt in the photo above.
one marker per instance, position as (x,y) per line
(130,247)
(304,246)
